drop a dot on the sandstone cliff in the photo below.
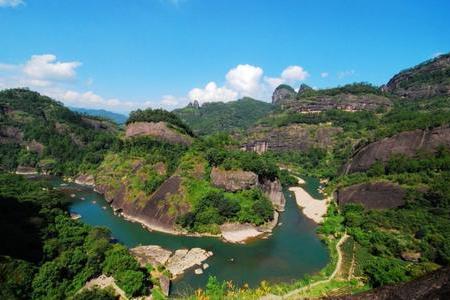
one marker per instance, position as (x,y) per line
(431,78)
(377,195)
(406,143)
(158,130)
(291,137)
(342,101)
(235,180)
(282,93)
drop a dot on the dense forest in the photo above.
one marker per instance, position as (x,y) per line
(66,253)
(40,132)
(213,117)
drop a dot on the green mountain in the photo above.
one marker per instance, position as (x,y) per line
(218,116)
(116,117)
(40,133)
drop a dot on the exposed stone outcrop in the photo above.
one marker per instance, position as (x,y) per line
(435,285)
(406,143)
(85,179)
(152,254)
(377,195)
(236,180)
(297,137)
(158,130)
(184,259)
(274,191)
(431,78)
(10,134)
(343,101)
(233,180)
(176,262)
(282,93)
(35,147)
(158,212)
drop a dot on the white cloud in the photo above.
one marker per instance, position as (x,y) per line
(324,74)
(247,80)
(294,73)
(46,67)
(43,73)
(11,3)
(211,92)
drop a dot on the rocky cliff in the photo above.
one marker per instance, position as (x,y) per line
(377,195)
(431,78)
(406,143)
(158,211)
(158,130)
(292,137)
(282,93)
(235,180)
(342,101)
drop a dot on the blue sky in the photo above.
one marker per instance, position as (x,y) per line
(121,55)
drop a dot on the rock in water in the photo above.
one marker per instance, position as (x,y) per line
(198,271)
(164,283)
(184,259)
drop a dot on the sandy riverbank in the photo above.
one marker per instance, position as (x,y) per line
(313,209)
(242,233)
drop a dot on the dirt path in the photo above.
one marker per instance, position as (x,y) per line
(336,270)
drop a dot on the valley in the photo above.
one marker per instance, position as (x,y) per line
(322,193)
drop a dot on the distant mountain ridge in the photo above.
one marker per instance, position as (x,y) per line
(116,117)
(218,116)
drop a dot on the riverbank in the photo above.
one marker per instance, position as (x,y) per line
(313,209)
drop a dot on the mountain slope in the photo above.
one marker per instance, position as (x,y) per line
(118,118)
(39,132)
(428,79)
(218,116)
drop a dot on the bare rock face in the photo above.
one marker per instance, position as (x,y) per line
(10,134)
(233,180)
(184,259)
(152,254)
(431,78)
(406,143)
(85,179)
(378,195)
(157,212)
(159,130)
(274,191)
(35,147)
(343,101)
(297,137)
(283,92)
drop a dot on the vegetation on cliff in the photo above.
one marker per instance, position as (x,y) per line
(39,132)
(218,116)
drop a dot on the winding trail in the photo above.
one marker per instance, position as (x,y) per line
(336,270)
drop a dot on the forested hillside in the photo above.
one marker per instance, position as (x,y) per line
(41,133)
(218,116)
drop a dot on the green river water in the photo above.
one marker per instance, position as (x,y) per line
(292,251)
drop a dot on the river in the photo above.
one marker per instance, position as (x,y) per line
(292,251)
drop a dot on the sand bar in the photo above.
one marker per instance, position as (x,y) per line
(313,209)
